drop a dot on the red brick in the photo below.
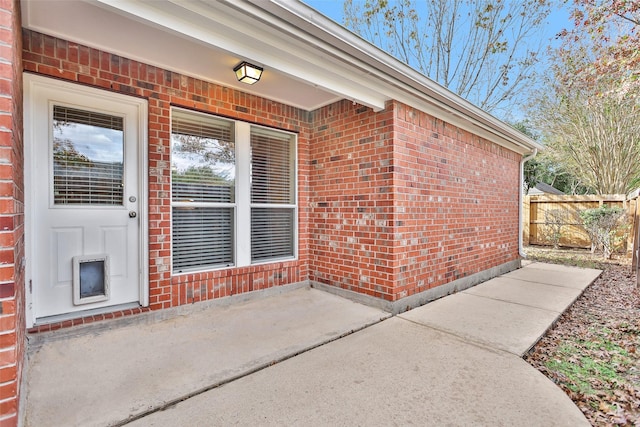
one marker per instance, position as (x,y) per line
(10,421)
(6,104)
(8,339)
(6,223)
(9,407)
(6,238)
(8,306)
(6,88)
(6,171)
(7,322)
(7,374)
(8,390)
(8,356)
(7,290)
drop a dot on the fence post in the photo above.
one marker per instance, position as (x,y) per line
(632,214)
(635,234)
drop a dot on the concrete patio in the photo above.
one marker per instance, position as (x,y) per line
(305,357)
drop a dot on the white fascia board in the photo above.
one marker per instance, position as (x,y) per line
(215,24)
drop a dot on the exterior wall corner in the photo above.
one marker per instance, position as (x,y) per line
(12,267)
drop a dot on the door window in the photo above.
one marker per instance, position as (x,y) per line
(88,157)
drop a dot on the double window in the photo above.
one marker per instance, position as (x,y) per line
(233,193)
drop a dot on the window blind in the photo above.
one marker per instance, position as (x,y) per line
(65,115)
(272,233)
(271,168)
(203,159)
(88,156)
(272,183)
(203,191)
(202,237)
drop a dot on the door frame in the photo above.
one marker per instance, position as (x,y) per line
(31,83)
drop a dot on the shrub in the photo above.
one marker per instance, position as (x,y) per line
(554,221)
(606,227)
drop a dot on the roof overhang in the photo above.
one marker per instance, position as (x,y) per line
(309,60)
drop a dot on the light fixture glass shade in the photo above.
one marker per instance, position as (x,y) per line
(248,73)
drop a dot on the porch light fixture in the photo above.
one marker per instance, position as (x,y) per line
(248,73)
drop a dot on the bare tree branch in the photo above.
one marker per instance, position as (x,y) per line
(484,50)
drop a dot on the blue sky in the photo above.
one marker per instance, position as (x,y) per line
(557,20)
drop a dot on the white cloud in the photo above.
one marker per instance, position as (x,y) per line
(98,144)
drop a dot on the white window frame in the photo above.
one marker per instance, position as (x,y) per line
(243,205)
(292,206)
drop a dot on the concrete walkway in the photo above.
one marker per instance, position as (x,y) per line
(291,359)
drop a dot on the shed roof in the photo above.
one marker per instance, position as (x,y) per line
(544,188)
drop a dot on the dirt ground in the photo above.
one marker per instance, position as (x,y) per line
(593,352)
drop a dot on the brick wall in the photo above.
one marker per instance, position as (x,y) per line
(456,202)
(12,329)
(53,57)
(352,197)
(403,202)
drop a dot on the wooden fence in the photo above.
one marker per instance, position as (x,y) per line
(541,213)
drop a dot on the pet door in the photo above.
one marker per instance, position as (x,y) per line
(90,279)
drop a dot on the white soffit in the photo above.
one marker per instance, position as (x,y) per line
(198,47)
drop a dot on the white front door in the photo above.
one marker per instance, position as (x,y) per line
(85,198)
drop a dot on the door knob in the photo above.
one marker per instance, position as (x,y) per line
(132,214)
